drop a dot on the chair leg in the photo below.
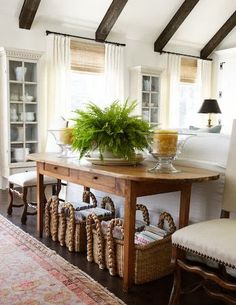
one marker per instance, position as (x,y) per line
(9,209)
(24,198)
(176,289)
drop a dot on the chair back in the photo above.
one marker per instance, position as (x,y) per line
(229,198)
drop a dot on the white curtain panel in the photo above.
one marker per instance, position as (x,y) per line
(204,82)
(114,73)
(205,74)
(56,85)
(173,76)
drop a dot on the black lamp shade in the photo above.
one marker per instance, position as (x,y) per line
(210,106)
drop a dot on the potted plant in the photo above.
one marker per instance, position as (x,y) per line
(112,130)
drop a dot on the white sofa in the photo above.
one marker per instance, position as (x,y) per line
(203,150)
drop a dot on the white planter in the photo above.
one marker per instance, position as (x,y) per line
(106,154)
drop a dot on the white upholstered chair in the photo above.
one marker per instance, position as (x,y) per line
(24,181)
(214,240)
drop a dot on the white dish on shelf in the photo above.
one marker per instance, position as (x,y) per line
(29,98)
(27,116)
(115,161)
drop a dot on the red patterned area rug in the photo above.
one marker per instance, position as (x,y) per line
(32,274)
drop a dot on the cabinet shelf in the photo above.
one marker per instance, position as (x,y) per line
(23,122)
(143,91)
(22,82)
(31,103)
(21,102)
(30,83)
(17,142)
(15,82)
(26,164)
(31,142)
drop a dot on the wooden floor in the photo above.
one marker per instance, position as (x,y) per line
(154,293)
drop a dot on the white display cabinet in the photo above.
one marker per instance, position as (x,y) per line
(19,110)
(145,87)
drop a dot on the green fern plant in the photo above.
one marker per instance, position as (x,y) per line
(112,129)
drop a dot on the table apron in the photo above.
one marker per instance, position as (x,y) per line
(107,183)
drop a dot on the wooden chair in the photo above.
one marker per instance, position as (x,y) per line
(214,241)
(25,181)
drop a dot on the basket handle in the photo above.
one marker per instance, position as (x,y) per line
(71,225)
(116,222)
(47,217)
(86,198)
(51,206)
(107,203)
(143,208)
(166,216)
(92,218)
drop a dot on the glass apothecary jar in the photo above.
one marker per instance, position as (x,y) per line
(164,149)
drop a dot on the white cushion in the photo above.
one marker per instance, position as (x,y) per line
(76,205)
(83,214)
(29,179)
(215,239)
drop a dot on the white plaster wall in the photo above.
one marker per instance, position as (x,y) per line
(224,82)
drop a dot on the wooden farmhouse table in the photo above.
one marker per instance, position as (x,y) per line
(129,182)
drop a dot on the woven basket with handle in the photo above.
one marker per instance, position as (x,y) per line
(54,223)
(152,261)
(75,238)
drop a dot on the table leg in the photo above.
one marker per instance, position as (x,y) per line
(129,230)
(40,202)
(184,205)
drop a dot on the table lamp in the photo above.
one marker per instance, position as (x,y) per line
(209,106)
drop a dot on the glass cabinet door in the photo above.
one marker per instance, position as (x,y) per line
(150,99)
(23,109)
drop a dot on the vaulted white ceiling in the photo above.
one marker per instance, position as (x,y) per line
(140,20)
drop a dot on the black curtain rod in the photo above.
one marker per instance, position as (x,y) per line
(209,59)
(81,37)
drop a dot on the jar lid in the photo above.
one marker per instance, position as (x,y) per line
(166,131)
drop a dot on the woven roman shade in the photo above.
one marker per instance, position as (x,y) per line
(87,57)
(188,71)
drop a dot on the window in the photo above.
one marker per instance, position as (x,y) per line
(188,93)
(87,73)
(188,104)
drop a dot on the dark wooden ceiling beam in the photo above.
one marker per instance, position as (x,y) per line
(219,36)
(109,19)
(174,24)
(27,13)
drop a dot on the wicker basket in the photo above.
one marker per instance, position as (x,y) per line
(53,223)
(152,261)
(72,232)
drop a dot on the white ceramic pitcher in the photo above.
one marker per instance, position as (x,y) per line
(20,73)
